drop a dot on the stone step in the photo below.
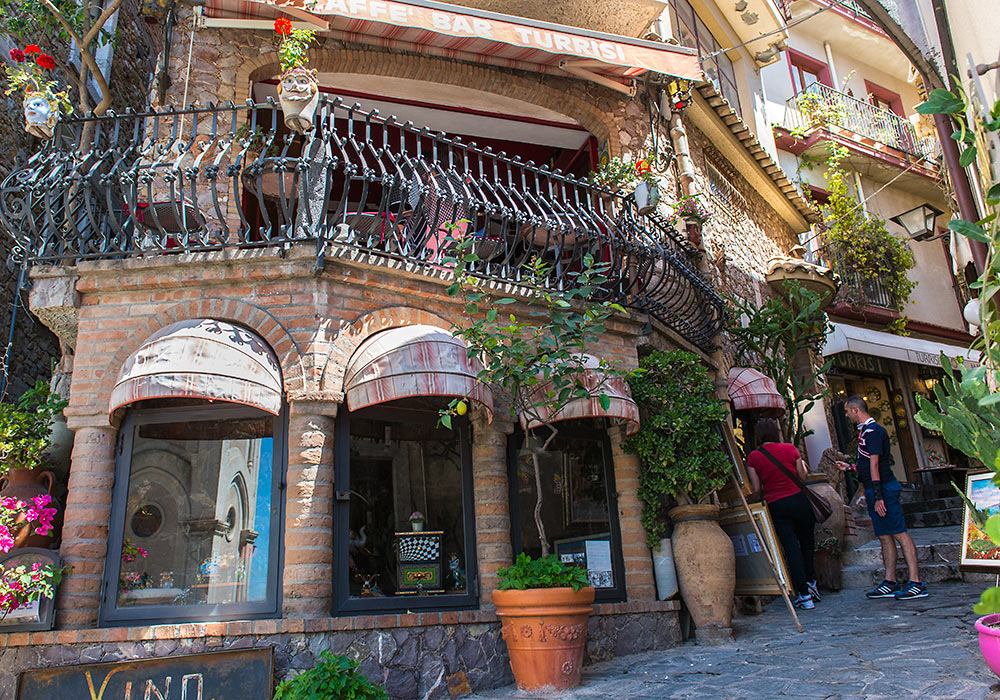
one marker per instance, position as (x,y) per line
(862,577)
(870,554)
(933,518)
(932,504)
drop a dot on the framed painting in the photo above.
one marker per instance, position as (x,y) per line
(979,552)
(754,575)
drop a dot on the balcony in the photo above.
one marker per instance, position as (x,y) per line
(358,187)
(855,290)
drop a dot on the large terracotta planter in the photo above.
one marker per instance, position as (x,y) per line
(820,484)
(25,484)
(546,632)
(706,569)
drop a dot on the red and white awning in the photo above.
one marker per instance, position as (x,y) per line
(749,389)
(413,361)
(470,34)
(620,403)
(205,359)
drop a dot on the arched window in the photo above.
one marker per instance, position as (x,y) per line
(195,523)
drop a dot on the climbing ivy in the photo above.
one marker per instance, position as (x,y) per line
(861,248)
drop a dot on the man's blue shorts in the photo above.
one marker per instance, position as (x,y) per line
(893,522)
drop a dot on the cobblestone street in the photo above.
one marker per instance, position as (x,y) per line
(852,649)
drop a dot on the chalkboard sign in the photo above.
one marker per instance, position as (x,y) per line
(225,675)
(754,575)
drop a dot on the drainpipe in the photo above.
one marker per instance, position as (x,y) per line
(959,176)
(860,192)
(834,78)
(678,137)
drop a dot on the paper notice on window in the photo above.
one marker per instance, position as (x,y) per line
(739,545)
(599,563)
(754,543)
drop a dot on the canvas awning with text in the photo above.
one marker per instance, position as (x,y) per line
(452,31)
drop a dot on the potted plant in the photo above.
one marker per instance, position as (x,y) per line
(966,405)
(827,559)
(617,174)
(417,521)
(333,678)
(544,605)
(298,90)
(537,363)
(681,464)
(692,213)
(42,102)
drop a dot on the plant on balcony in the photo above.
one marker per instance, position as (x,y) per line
(617,174)
(298,90)
(816,111)
(861,249)
(537,362)
(43,101)
(781,337)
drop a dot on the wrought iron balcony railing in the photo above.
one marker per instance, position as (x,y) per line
(356,185)
(854,288)
(852,6)
(819,105)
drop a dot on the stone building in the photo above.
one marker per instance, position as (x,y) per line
(261,337)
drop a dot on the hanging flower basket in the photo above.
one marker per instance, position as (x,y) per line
(298,89)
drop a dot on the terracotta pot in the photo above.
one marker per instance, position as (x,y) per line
(693,229)
(25,484)
(820,485)
(298,94)
(706,569)
(546,633)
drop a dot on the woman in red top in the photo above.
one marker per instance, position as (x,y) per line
(790,510)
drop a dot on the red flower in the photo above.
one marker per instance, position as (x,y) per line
(31,48)
(17,55)
(45,61)
(642,167)
(283,26)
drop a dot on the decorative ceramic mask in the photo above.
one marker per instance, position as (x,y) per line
(299,97)
(40,114)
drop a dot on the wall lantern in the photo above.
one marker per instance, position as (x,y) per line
(679,90)
(918,222)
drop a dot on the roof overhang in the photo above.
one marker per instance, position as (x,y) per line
(866,341)
(466,33)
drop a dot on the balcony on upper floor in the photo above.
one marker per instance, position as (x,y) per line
(855,290)
(879,142)
(361,188)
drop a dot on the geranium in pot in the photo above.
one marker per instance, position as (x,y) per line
(681,464)
(618,174)
(298,90)
(43,103)
(690,213)
(536,361)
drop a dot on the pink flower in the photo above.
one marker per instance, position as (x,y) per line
(43,529)
(128,558)
(6,540)
(142,552)
(42,500)
(36,566)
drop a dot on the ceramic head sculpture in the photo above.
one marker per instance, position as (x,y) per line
(298,91)
(42,102)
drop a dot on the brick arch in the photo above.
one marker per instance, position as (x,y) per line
(239,312)
(355,333)
(477,77)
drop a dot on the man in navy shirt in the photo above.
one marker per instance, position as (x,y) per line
(882,494)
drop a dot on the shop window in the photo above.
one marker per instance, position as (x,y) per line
(579,510)
(404,519)
(690,31)
(196,514)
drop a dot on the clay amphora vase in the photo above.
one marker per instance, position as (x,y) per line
(25,484)
(546,633)
(706,569)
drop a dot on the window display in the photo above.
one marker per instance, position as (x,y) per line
(196,520)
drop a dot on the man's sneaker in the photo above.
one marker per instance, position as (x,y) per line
(813,588)
(886,589)
(912,590)
(805,602)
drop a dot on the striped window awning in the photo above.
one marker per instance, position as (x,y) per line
(750,389)
(452,31)
(620,403)
(410,361)
(202,358)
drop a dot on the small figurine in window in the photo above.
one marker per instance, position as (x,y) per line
(456,572)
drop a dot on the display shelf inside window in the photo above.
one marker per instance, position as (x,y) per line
(420,567)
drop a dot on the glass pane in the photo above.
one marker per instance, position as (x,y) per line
(682,21)
(574,509)
(198,515)
(407,519)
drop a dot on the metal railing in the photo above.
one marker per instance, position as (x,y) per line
(819,105)
(855,289)
(357,184)
(852,6)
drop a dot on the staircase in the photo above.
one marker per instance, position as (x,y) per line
(937,551)
(931,506)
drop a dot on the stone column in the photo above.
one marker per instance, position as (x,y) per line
(85,521)
(639,582)
(309,499)
(492,496)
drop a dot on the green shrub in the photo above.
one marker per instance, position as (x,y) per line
(333,678)
(680,451)
(546,572)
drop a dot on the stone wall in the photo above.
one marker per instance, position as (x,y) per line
(433,655)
